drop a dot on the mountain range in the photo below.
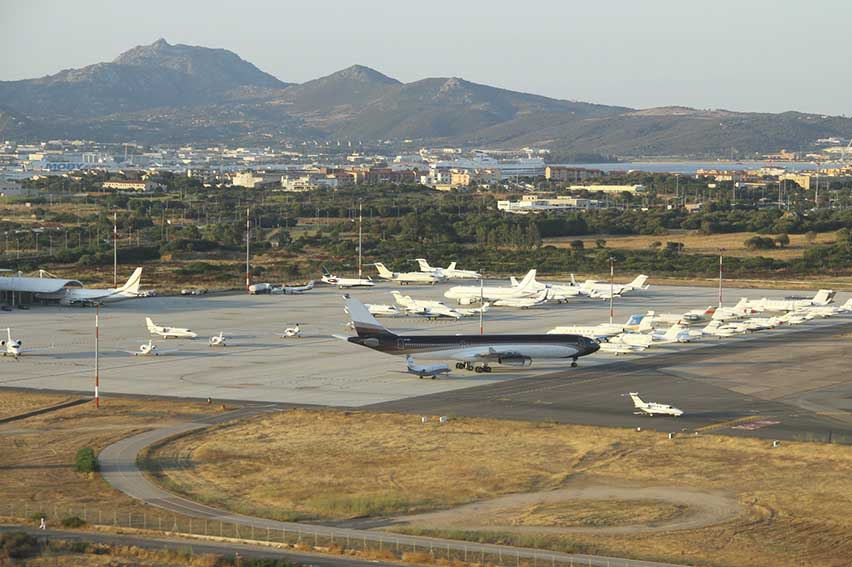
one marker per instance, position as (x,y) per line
(164,93)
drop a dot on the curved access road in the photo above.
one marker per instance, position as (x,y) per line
(119,468)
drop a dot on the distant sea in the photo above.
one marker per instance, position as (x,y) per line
(690,167)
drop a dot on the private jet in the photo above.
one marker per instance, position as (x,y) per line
(601,331)
(403,278)
(560,293)
(523,302)
(421,370)
(472,352)
(653,408)
(219,340)
(292,332)
(468,294)
(450,272)
(425,308)
(83,296)
(602,289)
(822,298)
(148,349)
(342,283)
(169,332)
(11,347)
(293,289)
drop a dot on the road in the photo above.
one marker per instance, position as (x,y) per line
(200,546)
(120,469)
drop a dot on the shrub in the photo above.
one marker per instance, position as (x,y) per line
(86,460)
(73,522)
(759,243)
(18,545)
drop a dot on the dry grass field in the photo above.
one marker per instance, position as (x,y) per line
(696,243)
(77,554)
(22,402)
(37,454)
(794,500)
(589,513)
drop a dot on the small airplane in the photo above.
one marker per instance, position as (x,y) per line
(292,332)
(450,272)
(82,296)
(738,311)
(342,283)
(421,370)
(384,310)
(11,347)
(425,308)
(403,278)
(653,408)
(693,316)
(559,293)
(822,298)
(148,349)
(468,294)
(523,302)
(617,348)
(601,331)
(293,290)
(169,332)
(601,289)
(218,340)
(717,328)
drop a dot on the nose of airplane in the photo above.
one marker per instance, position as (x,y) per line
(591,345)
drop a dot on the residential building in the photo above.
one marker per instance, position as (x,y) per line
(609,188)
(130,185)
(562,173)
(538,204)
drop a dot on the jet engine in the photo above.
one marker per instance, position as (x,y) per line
(515,361)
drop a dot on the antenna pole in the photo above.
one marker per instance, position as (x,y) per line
(114,249)
(248,249)
(611,276)
(97,353)
(720,276)
(360,221)
(481,306)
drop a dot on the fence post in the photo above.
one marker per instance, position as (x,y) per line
(267,534)
(99,516)
(144,521)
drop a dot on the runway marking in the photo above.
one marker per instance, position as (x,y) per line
(730,423)
(755,425)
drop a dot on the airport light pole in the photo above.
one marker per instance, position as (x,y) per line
(611,285)
(360,233)
(481,304)
(248,249)
(114,249)
(721,250)
(97,354)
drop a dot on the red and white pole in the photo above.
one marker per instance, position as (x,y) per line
(97,354)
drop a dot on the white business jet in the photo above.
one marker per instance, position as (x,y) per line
(422,370)
(148,349)
(403,278)
(292,332)
(468,294)
(341,283)
(450,272)
(653,408)
(219,340)
(169,332)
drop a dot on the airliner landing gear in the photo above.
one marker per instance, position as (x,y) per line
(460,365)
(574,363)
(483,368)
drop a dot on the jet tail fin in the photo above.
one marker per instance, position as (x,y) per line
(424,265)
(362,320)
(672,332)
(638,281)
(573,281)
(383,271)
(132,286)
(823,297)
(452,266)
(325,271)
(528,279)
(637,401)
(150,324)
(514,281)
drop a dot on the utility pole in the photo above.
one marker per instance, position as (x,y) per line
(721,250)
(114,249)
(97,353)
(248,248)
(360,224)
(611,285)
(481,304)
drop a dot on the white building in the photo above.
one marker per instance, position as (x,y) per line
(609,188)
(535,204)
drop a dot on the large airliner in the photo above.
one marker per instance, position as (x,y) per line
(472,352)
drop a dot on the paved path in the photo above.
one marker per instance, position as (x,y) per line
(119,468)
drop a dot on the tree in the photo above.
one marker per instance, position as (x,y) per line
(810,237)
(577,245)
(600,242)
(782,240)
(759,243)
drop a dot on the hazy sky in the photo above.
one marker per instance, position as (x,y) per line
(757,55)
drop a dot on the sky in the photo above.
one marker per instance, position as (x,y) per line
(755,55)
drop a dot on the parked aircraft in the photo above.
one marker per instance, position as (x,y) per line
(426,370)
(738,311)
(620,348)
(342,283)
(292,332)
(148,349)
(384,310)
(559,293)
(472,352)
(83,296)
(403,278)
(601,331)
(601,289)
(70,292)
(293,290)
(219,340)
(821,298)
(523,302)
(169,332)
(468,294)
(693,316)
(717,328)
(653,408)
(450,272)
